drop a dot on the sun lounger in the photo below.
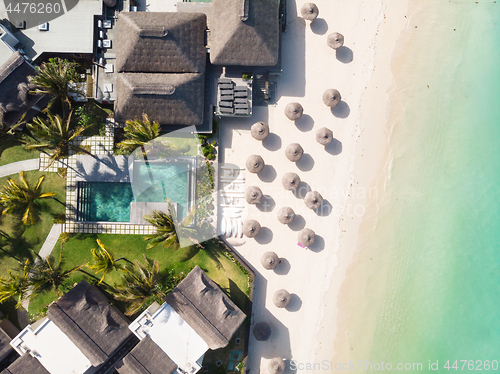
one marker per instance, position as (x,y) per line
(226,97)
(225,80)
(226,92)
(241,100)
(225,86)
(241,111)
(240,94)
(240,88)
(241,106)
(226,110)
(226,104)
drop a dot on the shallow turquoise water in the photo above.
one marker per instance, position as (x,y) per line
(441,220)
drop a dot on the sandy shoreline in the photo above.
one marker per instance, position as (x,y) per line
(361,74)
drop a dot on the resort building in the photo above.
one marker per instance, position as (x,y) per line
(83,334)
(15,98)
(80,334)
(169,83)
(195,317)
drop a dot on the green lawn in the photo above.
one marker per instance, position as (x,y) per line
(11,151)
(219,267)
(26,238)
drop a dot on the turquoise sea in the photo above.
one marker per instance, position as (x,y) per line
(438,225)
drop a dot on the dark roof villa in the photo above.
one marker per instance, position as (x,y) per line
(15,99)
(161,63)
(244,32)
(80,333)
(196,316)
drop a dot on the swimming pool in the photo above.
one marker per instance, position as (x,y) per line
(110,201)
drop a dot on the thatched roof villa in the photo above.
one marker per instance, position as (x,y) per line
(196,316)
(161,67)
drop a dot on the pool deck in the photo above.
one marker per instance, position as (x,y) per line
(102,168)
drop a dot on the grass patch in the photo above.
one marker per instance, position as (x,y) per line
(12,151)
(26,238)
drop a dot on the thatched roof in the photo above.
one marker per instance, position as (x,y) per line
(335,40)
(259,130)
(306,237)
(15,99)
(251,228)
(147,358)
(203,305)
(253,195)
(309,11)
(170,99)
(161,42)
(294,111)
(313,199)
(5,347)
(86,317)
(294,152)
(286,215)
(276,365)
(255,164)
(244,32)
(290,181)
(324,136)
(26,364)
(331,97)
(269,260)
(281,298)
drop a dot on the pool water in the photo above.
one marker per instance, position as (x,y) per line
(110,201)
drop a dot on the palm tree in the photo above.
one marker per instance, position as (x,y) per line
(103,261)
(166,225)
(53,136)
(140,283)
(138,133)
(55,78)
(47,275)
(16,285)
(20,197)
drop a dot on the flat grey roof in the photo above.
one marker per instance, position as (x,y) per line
(71,33)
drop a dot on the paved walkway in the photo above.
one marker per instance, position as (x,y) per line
(16,167)
(51,240)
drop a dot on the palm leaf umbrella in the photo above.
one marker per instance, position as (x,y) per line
(290,181)
(276,366)
(294,152)
(255,164)
(262,331)
(331,97)
(294,111)
(307,237)
(259,130)
(309,11)
(286,215)
(313,200)
(281,298)
(269,260)
(251,228)
(324,136)
(253,195)
(335,40)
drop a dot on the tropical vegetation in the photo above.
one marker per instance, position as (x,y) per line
(169,230)
(53,135)
(103,261)
(21,199)
(138,133)
(56,78)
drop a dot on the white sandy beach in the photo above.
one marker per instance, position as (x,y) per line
(342,172)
